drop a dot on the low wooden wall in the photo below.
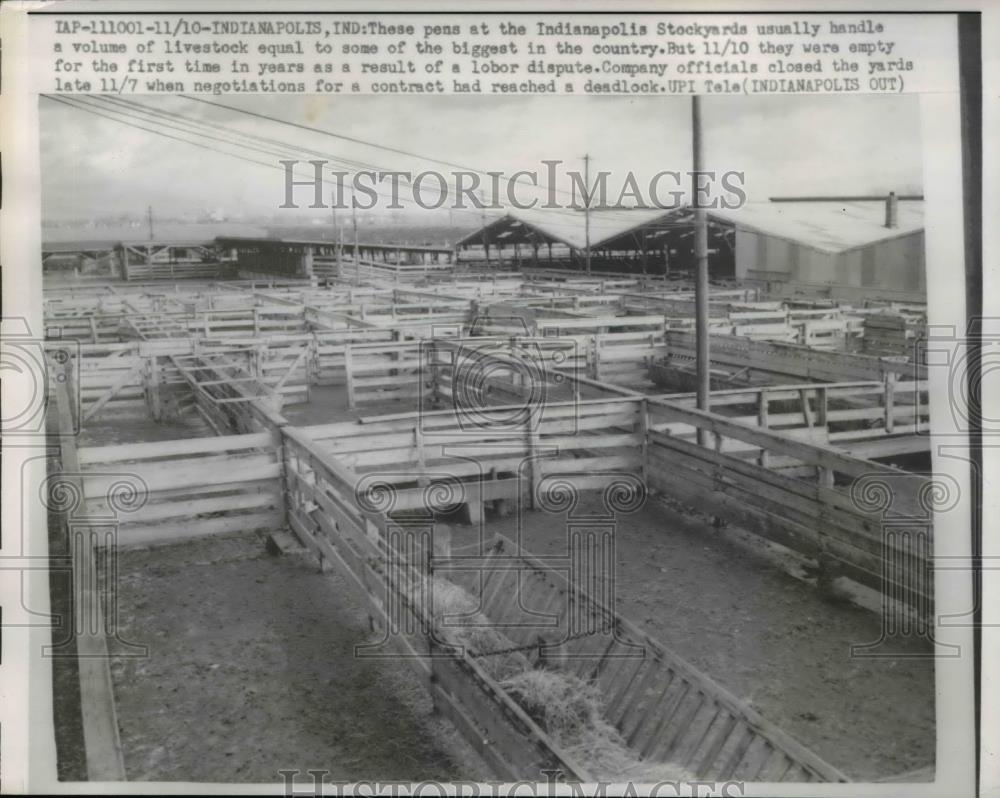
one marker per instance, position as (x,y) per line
(837,414)
(185,489)
(815,508)
(380,371)
(325,515)
(791,361)
(110,380)
(665,710)
(488,453)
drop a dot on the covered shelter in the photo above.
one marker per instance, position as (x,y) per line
(552,237)
(844,248)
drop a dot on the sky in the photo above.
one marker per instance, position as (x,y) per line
(785,145)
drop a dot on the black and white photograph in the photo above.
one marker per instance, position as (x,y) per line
(582,402)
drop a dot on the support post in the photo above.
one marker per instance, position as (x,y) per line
(890,401)
(153,387)
(307,263)
(348,377)
(701,255)
(586,208)
(763,423)
(357,257)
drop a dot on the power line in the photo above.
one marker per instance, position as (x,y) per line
(363,142)
(273,146)
(285,151)
(214,125)
(123,118)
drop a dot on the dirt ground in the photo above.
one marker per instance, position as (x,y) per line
(328,404)
(107,430)
(251,670)
(769,638)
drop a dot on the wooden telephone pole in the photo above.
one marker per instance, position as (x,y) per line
(586,207)
(357,258)
(338,237)
(701,256)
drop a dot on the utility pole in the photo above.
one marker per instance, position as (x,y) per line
(338,237)
(149,219)
(701,256)
(340,252)
(357,259)
(586,207)
(486,242)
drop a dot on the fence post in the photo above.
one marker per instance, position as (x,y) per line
(348,377)
(821,410)
(890,401)
(153,387)
(418,443)
(596,339)
(644,429)
(763,423)
(533,454)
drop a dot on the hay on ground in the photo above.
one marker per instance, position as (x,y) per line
(568,708)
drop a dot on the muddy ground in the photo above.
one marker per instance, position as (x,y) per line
(251,670)
(771,639)
(731,609)
(251,667)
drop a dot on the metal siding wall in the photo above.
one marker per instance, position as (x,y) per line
(746,253)
(897,264)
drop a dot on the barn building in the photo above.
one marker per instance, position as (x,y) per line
(845,249)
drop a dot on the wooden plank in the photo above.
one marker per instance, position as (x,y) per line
(189,508)
(102,744)
(132,535)
(166,479)
(186,446)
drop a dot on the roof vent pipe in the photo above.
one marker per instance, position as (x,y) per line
(892,210)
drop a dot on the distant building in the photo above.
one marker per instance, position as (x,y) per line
(844,249)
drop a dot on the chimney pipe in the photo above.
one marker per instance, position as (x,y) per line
(892,210)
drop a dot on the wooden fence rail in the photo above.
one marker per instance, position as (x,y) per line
(325,515)
(186,489)
(810,504)
(666,710)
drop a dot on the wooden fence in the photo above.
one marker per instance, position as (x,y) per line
(347,484)
(324,513)
(185,489)
(890,415)
(665,710)
(483,454)
(789,361)
(811,508)
(384,371)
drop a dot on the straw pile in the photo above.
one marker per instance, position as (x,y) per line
(569,709)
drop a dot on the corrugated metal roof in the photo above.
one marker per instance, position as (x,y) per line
(569,227)
(826,226)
